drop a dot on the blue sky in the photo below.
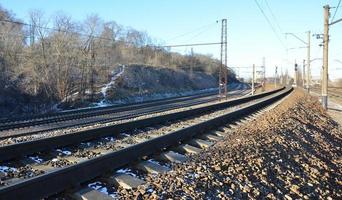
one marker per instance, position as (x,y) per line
(249,35)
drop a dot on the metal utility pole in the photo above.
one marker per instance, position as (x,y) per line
(192,63)
(325,57)
(263,74)
(303,74)
(286,77)
(275,76)
(308,46)
(253,79)
(296,75)
(325,75)
(223,69)
(308,69)
(281,76)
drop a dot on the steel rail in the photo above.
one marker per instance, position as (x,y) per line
(117,113)
(82,110)
(12,125)
(122,116)
(25,148)
(15,123)
(129,105)
(72,176)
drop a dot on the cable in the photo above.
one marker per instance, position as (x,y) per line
(187,33)
(98,37)
(274,17)
(269,23)
(188,45)
(338,5)
(195,36)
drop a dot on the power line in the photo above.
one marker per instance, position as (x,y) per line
(195,36)
(188,45)
(151,46)
(190,32)
(274,17)
(269,23)
(103,38)
(338,5)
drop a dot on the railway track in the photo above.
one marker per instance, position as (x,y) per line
(103,115)
(112,150)
(85,112)
(79,114)
(335,92)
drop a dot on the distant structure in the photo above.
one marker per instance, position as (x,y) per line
(295,83)
(223,72)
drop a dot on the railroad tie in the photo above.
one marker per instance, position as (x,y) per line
(75,159)
(211,137)
(125,181)
(203,144)
(217,133)
(185,148)
(151,167)
(249,118)
(242,121)
(233,126)
(222,129)
(102,151)
(12,181)
(172,156)
(43,167)
(90,194)
(3,174)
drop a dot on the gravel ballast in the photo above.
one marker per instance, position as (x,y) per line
(290,152)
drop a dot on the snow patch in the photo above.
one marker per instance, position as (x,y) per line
(105,88)
(65,152)
(101,188)
(155,162)
(150,190)
(232,88)
(126,171)
(6,169)
(112,139)
(124,134)
(36,159)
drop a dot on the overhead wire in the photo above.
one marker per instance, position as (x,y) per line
(103,38)
(195,36)
(338,5)
(274,17)
(270,24)
(192,31)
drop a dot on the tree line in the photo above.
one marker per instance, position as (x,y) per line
(54,58)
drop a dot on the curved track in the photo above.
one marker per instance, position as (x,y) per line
(67,177)
(102,115)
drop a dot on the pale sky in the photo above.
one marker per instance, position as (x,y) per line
(250,37)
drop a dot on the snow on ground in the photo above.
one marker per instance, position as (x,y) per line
(102,188)
(126,171)
(36,159)
(104,89)
(65,152)
(6,169)
(139,99)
